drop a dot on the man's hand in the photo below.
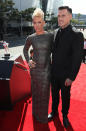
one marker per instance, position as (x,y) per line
(32,64)
(68,82)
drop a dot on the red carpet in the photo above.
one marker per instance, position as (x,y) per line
(20,118)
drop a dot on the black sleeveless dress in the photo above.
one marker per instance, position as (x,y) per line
(40,75)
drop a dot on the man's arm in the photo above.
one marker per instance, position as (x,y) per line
(77,53)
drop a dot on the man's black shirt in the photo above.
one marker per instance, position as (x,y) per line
(67,52)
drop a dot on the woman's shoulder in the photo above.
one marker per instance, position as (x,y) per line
(30,37)
(49,33)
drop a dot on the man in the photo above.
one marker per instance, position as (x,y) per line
(66,60)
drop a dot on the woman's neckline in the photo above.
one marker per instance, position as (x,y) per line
(41,34)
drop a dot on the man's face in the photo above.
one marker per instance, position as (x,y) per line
(64,18)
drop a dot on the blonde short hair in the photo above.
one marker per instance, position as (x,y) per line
(38,13)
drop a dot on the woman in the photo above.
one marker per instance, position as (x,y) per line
(41,42)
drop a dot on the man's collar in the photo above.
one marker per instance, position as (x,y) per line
(66,28)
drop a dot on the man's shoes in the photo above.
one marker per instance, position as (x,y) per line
(52,115)
(66,122)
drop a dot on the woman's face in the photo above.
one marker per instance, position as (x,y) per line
(38,24)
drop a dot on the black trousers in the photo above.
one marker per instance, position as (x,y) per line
(57,85)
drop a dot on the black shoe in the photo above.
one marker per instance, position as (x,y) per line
(66,122)
(52,115)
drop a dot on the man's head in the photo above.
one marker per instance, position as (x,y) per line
(64,16)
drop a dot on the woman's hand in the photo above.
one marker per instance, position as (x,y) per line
(32,64)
